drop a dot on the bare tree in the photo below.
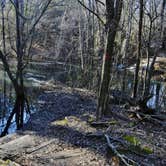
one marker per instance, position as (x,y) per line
(162,21)
(113,15)
(152,16)
(136,79)
(23,42)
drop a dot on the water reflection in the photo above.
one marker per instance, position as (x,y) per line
(7,97)
(123,81)
(157,101)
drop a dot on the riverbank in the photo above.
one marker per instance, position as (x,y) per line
(60,133)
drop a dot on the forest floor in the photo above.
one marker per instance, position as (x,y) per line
(61,134)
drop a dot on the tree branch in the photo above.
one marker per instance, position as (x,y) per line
(102,3)
(91,11)
(7,68)
(123,158)
(36,22)
(20,14)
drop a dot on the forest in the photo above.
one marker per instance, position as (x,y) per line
(82,82)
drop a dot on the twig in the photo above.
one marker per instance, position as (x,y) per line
(122,157)
(102,3)
(91,11)
(114,139)
(151,118)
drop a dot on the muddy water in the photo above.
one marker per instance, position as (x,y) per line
(39,73)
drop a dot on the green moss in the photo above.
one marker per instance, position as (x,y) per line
(63,122)
(132,140)
(135,145)
(147,150)
(91,119)
(7,163)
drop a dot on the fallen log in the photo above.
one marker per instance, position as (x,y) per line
(65,154)
(16,147)
(103,124)
(8,138)
(39,147)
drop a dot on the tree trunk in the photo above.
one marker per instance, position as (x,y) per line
(4,50)
(136,79)
(162,29)
(18,110)
(80,52)
(147,73)
(164,39)
(158,88)
(113,10)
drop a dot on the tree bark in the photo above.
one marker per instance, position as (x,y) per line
(113,11)
(136,79)
(162,28)
(147,73)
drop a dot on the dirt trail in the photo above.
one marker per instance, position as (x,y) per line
(56,135)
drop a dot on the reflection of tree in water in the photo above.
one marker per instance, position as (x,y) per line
(158,87)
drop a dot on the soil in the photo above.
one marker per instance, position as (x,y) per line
(62,127)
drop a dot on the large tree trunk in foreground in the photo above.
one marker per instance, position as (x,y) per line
(113,10)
